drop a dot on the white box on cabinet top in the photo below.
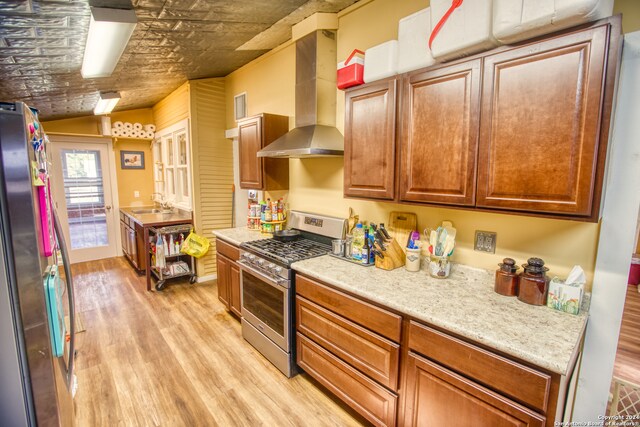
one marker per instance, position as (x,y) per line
(413,41)
(467,31)
(381,61)
(516,20)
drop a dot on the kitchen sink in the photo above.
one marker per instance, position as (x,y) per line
(151,211)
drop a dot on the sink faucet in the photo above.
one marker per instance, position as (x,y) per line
(163,203)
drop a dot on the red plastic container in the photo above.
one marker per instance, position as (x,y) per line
(634,272)
(351,71)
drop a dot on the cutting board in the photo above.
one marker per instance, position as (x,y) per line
(400,226)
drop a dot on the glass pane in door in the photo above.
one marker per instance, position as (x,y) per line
(84,197)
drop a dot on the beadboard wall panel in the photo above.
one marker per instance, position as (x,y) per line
(212,164)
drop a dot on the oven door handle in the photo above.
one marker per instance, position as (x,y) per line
(249,269)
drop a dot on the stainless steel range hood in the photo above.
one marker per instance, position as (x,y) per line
(315,134)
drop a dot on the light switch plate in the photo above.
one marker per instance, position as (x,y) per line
(136,194)
(485,241)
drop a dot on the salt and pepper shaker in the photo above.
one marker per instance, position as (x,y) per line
(507,279)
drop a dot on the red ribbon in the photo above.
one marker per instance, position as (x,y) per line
(454,5)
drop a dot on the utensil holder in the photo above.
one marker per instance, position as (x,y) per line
(413,259)
(394,257)
(439,266)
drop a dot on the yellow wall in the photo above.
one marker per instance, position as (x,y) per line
(129,180)
(316,184)
(269,82)
(630,10)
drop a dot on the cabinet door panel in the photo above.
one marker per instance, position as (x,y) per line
(234,289)
(250,142)
(541,113)
(222,264)
(439,397)
(439,137)
(369,141)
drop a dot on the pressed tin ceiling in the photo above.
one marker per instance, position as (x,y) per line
(42,44)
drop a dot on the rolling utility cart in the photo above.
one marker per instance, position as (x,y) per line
(167,262)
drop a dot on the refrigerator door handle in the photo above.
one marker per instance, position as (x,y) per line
(72,309)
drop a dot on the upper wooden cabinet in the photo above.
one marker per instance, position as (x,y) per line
(541,112)
(259,173)
(439,137)
(369,141)
(521,128)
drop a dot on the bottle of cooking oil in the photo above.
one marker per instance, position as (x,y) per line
(358,242)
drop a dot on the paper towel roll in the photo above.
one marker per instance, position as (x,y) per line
(150,127)
(137,126)
(116,132)
(118,125)
(128,126)
(149,134)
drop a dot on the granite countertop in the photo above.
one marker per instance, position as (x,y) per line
(239,235)
(464,304)
(177,216)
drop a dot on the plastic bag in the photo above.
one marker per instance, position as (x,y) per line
(195,245)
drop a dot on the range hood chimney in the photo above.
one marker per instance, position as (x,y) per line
(315,134)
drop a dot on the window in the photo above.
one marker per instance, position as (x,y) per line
(172,166)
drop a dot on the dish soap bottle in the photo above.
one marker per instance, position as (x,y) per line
(358,243)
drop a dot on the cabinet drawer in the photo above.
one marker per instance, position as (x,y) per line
(376,319)
(371,400)
(519,382)
(373,355)
(227,249)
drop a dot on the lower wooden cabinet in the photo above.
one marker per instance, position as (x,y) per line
(228,273)
(436,396)
(395,370)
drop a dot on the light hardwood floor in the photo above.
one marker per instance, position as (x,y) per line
(177,358)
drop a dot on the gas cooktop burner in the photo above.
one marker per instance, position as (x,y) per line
(287,252)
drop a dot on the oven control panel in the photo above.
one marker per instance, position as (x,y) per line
(264,266)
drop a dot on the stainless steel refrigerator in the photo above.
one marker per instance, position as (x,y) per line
(37,318)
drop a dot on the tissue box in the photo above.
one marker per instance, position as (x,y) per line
(565,297)
(413,41)
(467,31)
(381,61)
(516,20)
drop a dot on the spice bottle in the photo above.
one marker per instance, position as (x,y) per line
(507,279)
(534,283)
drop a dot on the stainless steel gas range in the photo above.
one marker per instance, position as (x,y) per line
(268,284)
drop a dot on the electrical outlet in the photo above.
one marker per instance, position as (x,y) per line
(485,241)
(136,194)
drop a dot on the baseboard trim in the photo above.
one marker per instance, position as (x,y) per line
(207,278)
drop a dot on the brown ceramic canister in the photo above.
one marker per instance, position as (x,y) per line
(507,279)
(534,283)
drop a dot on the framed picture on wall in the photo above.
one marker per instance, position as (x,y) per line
(132,159)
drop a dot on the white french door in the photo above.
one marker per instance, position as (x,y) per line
(81,189)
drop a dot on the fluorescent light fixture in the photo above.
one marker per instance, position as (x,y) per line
(109,33)
(106,103)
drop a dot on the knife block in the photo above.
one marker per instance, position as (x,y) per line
(394,257)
